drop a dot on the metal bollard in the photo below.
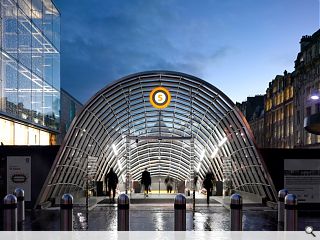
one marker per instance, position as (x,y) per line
(180,213)
(123,212)
(10,213)
(281,195)
(291,213)
(236,212)
(19,193)
(66,212)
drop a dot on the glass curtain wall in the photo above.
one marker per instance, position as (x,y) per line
(30,62)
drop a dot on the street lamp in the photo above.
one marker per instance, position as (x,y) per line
(314,95)
(312,122)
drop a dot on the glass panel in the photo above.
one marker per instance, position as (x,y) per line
(9,15)
(56,70)
(25,6)
(11,85)
(56,29)
(47,109)
(56,109)
(37,13)
(24,95)
(48,20)
(24,37)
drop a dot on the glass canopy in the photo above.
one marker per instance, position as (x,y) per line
(200,131)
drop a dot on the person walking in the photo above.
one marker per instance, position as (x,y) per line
(146,181)
(111,181)
(169,182)
(208,185)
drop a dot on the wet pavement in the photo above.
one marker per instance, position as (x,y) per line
(160,217)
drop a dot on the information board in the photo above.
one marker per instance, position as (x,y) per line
(19,174)
(302,178)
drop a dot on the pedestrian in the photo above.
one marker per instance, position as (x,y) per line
(195,181)
(169,182)
(208,185)
(111,181)
(146,181)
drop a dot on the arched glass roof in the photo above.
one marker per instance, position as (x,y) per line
(201,130)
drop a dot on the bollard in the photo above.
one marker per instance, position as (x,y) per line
(123,212)
(281,195)
(180,213)
(291,213)
(236,212)
(66,212)
(19,193)
(10,213)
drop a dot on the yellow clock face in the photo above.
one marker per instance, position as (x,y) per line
(160,97)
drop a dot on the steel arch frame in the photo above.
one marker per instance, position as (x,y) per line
(121,109)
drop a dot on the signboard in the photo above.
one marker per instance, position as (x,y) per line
(160,97)
(19,174)
(302,178)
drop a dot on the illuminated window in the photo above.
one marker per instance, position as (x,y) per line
(44,138)
(34,136)
(6,133)
(20,134)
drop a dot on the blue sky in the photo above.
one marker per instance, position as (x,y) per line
(238,46)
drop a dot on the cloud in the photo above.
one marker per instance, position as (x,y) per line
(103,42)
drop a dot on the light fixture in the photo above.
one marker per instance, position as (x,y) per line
(202,154)
(119,165)
(314,95)
(114,148)
(214,152)
(222,141)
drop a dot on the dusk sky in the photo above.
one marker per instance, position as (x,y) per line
(238,46)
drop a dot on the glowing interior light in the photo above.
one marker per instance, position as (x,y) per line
(314,97)
(114,149)
(123,177)
(119,165)
(198,168)
(214,153)
(222,141)
(202,154)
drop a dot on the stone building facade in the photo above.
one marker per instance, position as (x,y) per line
(289,100)
(278,112)
(306,87)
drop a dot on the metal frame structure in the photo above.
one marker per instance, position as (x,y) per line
(121,112)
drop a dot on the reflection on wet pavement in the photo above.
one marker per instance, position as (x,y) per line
(147,217)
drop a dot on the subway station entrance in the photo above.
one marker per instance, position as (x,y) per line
(171,123)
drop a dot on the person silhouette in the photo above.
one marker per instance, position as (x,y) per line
(111,181)
(146,181)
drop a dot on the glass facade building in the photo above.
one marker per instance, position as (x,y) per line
(29,72)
